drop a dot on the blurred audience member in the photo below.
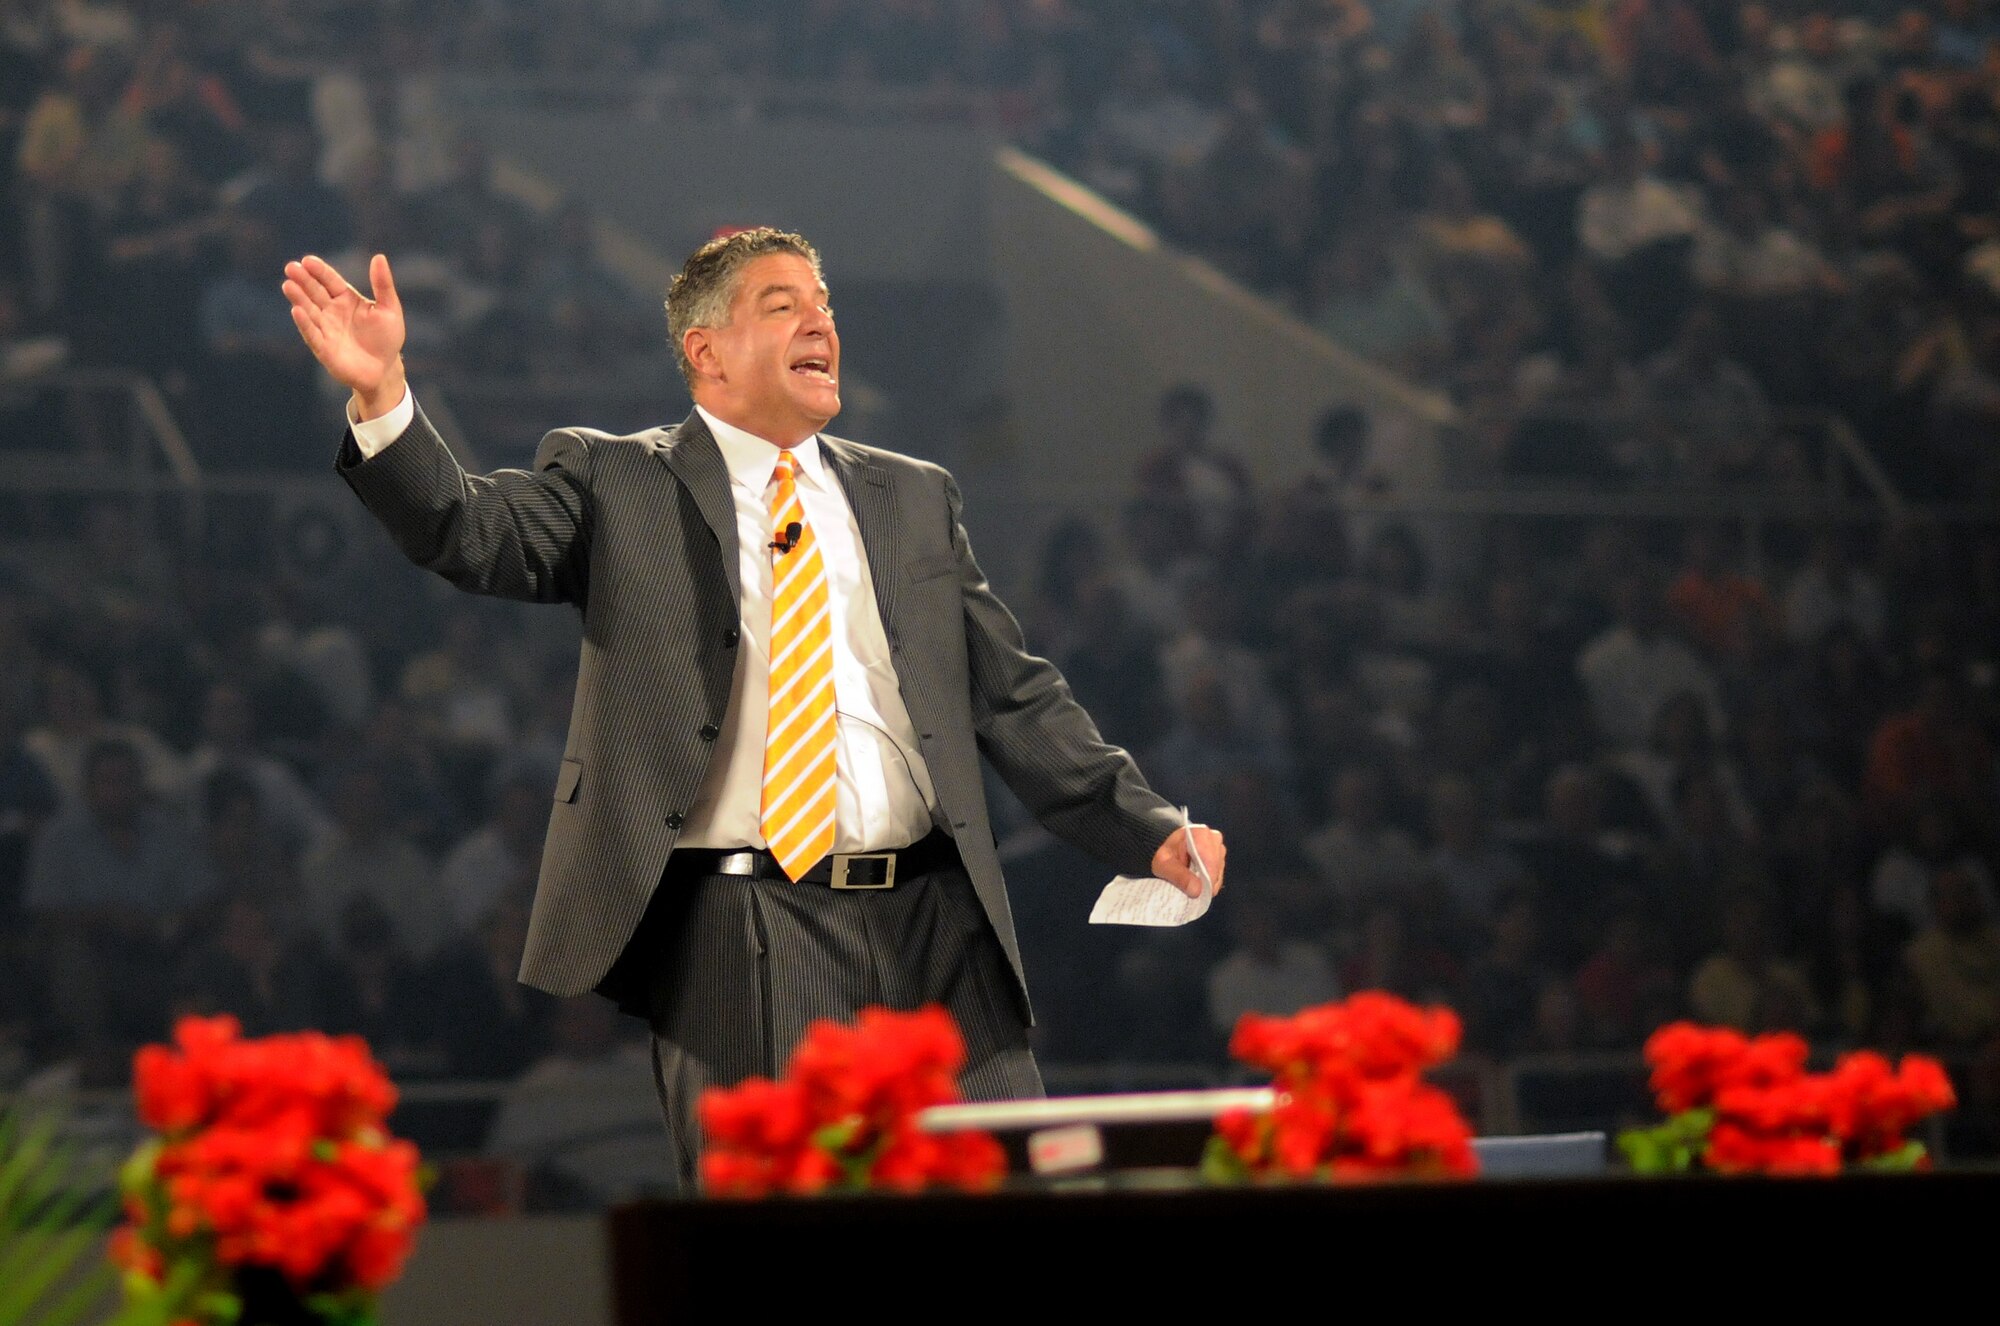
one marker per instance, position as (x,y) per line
(366,858)
(1933,751)
(1902,882)
(1208,485)
(1746,985)
(1636,666)
(1266,971)
(1359,853)
(115,854)
(1501,993)
(582,1121)
(1627,987)
(1955,964)
(501,857)
(1716,605)
(1831,590)
(74,724)
(229,745)
(1474,870)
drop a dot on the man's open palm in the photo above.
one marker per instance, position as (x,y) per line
(359,340)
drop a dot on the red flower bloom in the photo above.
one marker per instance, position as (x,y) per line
(1872,1108)
(844,1114)
(1772,1116)
(1733,1149)
(1350,1101)
(274,1155)
(1688,1062)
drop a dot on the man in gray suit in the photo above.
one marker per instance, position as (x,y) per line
(679,876)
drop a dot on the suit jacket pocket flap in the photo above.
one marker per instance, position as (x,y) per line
(925,568)
(566,781)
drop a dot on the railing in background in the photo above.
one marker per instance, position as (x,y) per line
(121,437)
(669,96)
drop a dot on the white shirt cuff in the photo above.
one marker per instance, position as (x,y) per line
(372,435)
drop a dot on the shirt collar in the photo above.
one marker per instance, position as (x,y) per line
(751,459)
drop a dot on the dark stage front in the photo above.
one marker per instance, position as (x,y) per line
(1417,1244)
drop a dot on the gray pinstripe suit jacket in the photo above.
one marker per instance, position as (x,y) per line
(640,534)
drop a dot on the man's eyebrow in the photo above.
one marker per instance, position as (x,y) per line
(781,288)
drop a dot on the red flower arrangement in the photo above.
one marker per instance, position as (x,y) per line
(273,1173)
(1351,1101)
(843,1117)
(1741,1104)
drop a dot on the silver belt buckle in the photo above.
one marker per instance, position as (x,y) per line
(841,860)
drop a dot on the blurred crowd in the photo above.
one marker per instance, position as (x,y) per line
(159,162)
(1590,776)
(1599,776)
(1635,240)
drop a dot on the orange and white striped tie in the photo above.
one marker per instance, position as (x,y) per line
(798,801)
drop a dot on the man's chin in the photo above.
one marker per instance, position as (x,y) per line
(822,408)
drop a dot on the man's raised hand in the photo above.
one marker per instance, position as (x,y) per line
(358,340)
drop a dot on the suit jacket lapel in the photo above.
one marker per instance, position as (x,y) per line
(691,453)
(871,495)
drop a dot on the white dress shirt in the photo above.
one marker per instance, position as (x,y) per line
(885,794)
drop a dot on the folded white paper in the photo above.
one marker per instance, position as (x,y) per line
(1130,901)
(1127,900)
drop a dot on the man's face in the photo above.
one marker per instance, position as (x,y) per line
(774,370)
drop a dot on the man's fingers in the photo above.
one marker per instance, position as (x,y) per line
(324,276)
(382,281)
(310,286)
(308,329)
(1214,854)
(1182,878)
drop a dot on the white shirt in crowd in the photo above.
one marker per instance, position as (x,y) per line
(1628,678)
(885,793)
(1241,983)
(1814,603)
(1614,219)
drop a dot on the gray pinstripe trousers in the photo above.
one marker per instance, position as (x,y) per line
(742,966)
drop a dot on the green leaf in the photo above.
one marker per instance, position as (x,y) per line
(220,1304)
(835,1138)
(1908,1157)
(352,1308)
(53,1212)
(23,1184)
(1693,1126)
(166,1302)
(90,1290)
(1220,1163)
(45,1260)
(1672,1147)
(139,1168)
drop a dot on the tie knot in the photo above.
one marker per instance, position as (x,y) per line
(788,466)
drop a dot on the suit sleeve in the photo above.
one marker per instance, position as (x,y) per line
(1043,744)
(518,534)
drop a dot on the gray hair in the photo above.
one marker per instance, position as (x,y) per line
(702,293)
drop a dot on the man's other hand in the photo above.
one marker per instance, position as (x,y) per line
(1171,862)
(358,340)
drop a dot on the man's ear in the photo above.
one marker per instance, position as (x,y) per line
(700,349)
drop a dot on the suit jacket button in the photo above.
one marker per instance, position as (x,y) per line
(709,732)
(729,638)
(674,821)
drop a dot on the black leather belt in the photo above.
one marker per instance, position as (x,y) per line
(840,870)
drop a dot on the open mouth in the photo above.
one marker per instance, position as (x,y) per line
(814,368)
